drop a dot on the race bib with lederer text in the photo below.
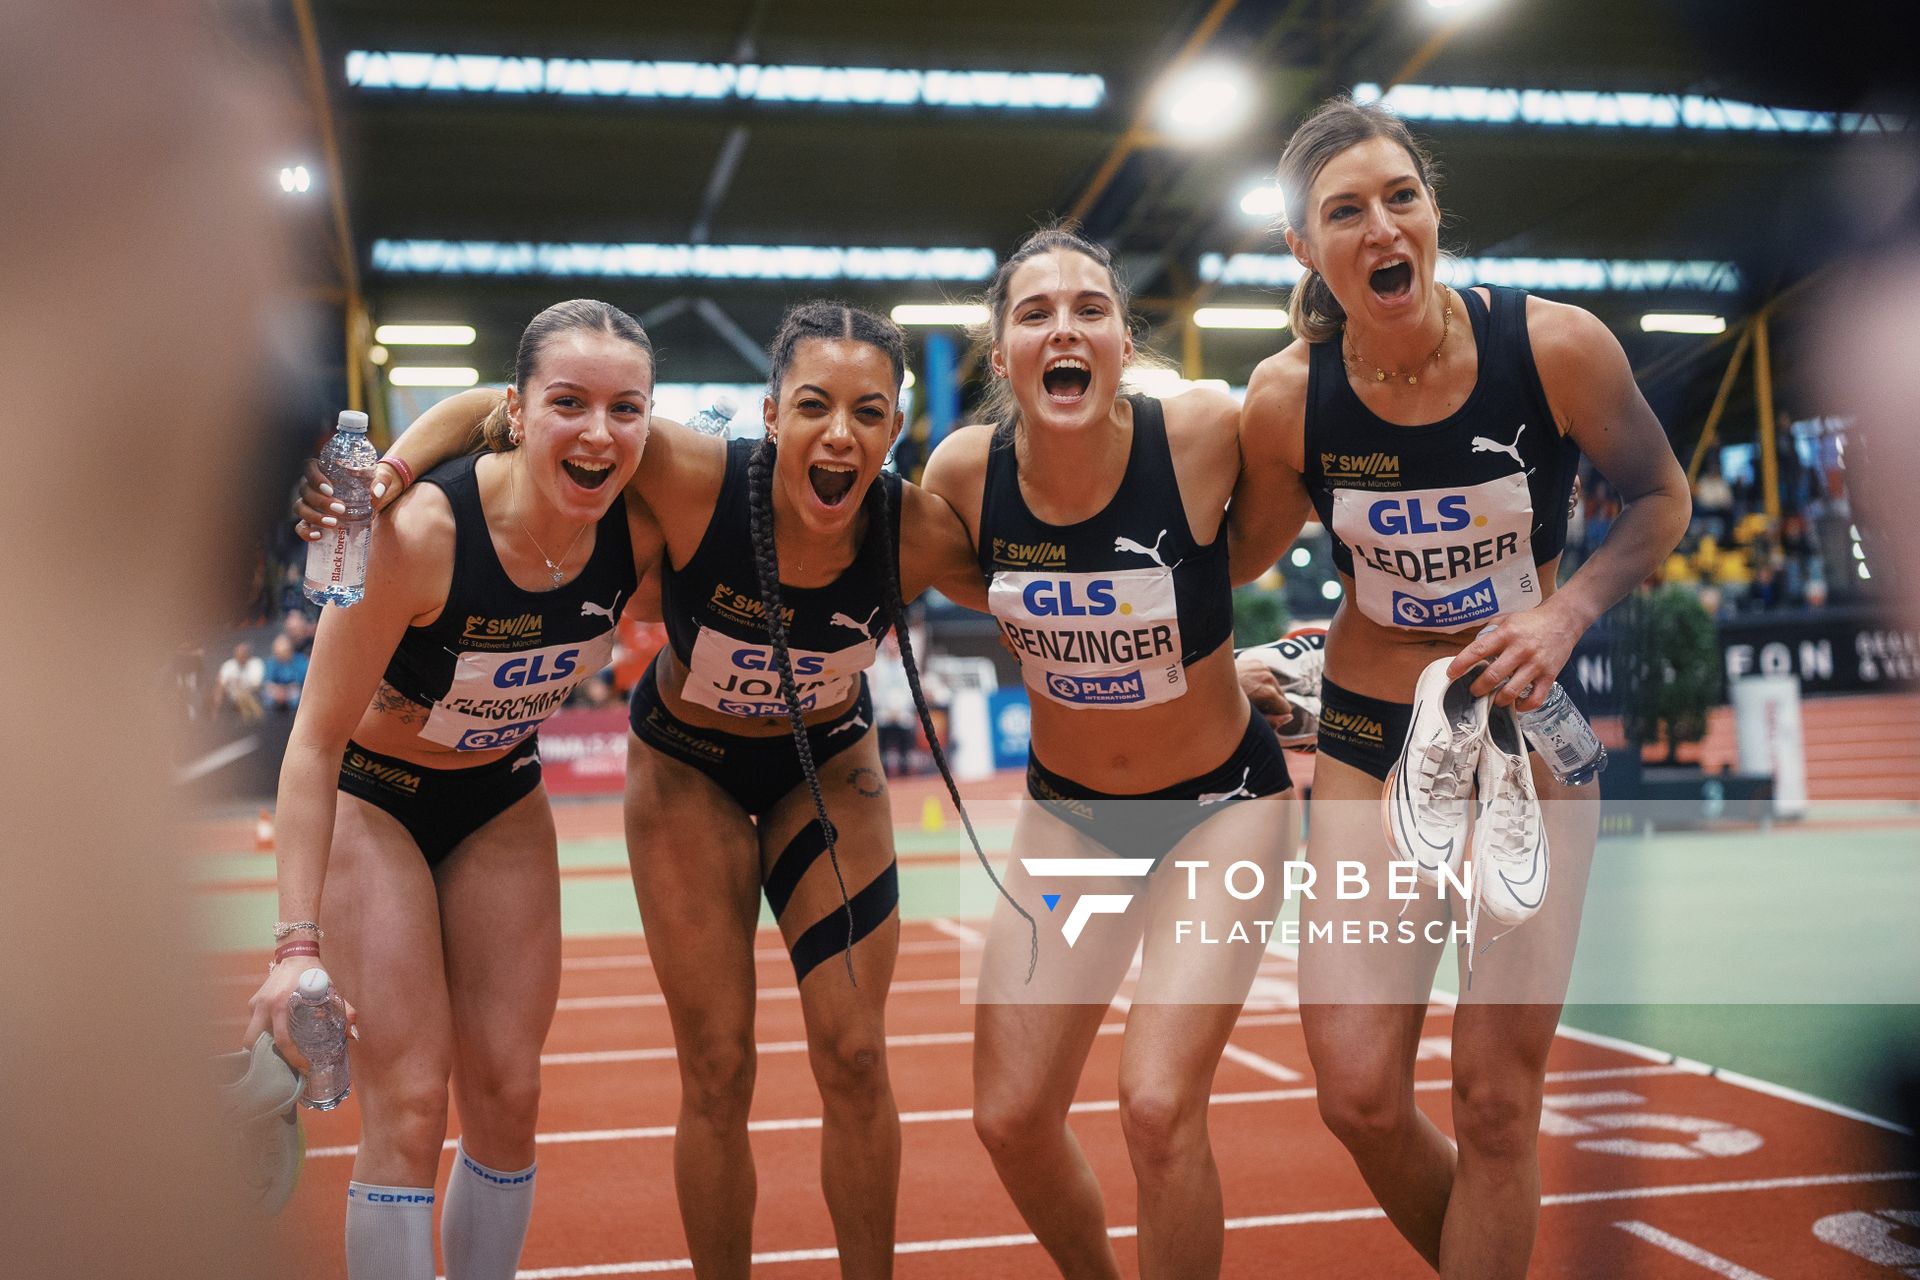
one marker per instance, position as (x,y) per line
(739,678)
(497,699)
(1093,639)
(1440,559)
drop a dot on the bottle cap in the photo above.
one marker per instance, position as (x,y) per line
(353,420)
(724,404)
(315,984)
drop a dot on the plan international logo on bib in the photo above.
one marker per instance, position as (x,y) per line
(1123,688)
(1469,604)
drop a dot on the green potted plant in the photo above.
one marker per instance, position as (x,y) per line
(1666,664)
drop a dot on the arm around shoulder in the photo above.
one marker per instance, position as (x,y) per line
(1270,503)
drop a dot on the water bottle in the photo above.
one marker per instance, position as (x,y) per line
(713,420)
(317,1021)
(1564,739)
(337,562)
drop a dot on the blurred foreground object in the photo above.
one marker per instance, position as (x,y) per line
(133,293)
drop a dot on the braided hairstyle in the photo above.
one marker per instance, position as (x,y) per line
(839,321)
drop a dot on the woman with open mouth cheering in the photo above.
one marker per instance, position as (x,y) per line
(754,765)
(417,855)
(1437,431)
(1099,525)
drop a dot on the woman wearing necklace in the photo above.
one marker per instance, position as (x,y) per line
(754,767)
(417,856)
(1440,455)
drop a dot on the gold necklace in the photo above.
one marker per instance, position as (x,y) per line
(553,568)
(1413,376)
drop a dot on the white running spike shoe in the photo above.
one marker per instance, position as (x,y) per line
(1428,802)
(1509,845)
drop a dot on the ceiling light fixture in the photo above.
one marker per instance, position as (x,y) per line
(1241,317)
(1205,103)
(1681,322)
(932,313)
(430,376)
(425,335)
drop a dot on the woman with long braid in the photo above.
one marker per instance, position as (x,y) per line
(754,754)
(1099,523)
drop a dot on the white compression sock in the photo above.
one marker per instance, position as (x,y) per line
(484,1223)
(389,1232)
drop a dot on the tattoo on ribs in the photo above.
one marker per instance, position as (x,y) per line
(390,700)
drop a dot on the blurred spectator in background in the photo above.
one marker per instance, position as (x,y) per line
(189,671)
(286,672)
(894,717)
(1713,501)
(239,681)
(298,627)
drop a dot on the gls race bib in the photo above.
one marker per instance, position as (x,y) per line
(1093,639)
(1441,559)
(499,698)
(738,678)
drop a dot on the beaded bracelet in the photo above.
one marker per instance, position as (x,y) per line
(284,927)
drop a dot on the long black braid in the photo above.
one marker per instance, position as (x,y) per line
(897,612)
(766,559)
(833,320)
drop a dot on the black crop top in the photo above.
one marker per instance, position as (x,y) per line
(1444,526)
(716,621)
(1108,612)
(500,659)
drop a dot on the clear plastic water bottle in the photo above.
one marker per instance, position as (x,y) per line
(317,1021)
(1564,739)
(713,420)
(337,562)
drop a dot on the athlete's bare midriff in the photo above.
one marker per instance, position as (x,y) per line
(392,725)
(1383,662)
(1131,752)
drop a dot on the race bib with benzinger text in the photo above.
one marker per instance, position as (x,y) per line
(1093,639)
(739,678)
(1440,559)
(499,698)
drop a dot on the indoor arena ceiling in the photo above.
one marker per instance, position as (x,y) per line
(425,164)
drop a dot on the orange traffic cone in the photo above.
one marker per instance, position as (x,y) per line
(263,831)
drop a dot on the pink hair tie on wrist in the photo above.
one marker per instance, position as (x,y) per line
(399,464)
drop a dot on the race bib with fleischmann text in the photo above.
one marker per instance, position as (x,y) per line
(1440,559)
(738,678)
(497,699)
(1093,639)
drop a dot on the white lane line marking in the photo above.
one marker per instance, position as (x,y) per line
(651,1000)
(1738,1079)
(641,960)
(965,935)
(218,758)
(1691,1252)
(665,1053)
(1094,1107)
(762,955)
(1265,1066)
(1318,1218)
